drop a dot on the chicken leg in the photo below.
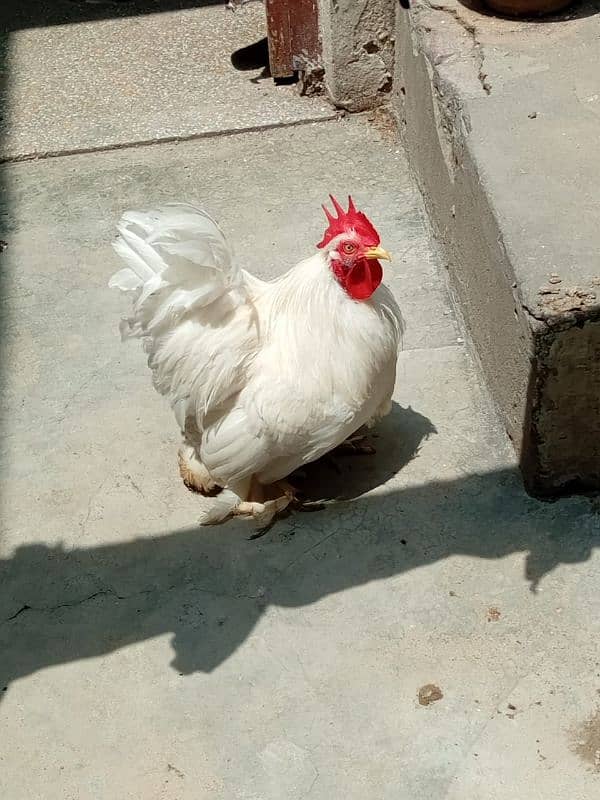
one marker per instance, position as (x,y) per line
(263,503)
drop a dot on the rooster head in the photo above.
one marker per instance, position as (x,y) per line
(351,247)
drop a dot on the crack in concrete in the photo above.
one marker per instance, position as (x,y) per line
(51,609)
(39,156)
(316,777)
(116,596)
(472,32)
(562,320)
(17,613)
(531,313)
(306,552)
(93,496)
(82,387)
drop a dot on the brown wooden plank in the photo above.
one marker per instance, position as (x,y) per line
(293,31)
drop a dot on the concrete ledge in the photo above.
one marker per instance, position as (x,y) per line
(501,122)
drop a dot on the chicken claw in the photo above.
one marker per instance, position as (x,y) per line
(265,502)
(261,513)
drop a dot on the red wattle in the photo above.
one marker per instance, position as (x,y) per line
(362,280)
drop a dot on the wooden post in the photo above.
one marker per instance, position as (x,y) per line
(293,31)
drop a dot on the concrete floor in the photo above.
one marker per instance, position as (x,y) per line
(144,657)
(104,83)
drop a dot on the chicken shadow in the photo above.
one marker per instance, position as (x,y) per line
(342,475)
(208,587)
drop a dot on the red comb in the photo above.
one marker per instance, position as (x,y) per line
(348,220)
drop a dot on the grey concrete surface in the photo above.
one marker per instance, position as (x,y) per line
(499,117)
(144,657)
(358,51)
(108,82)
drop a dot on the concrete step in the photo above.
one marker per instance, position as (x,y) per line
(123,78)
(500,119)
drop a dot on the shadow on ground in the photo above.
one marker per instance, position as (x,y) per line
(18,14)
(210,586)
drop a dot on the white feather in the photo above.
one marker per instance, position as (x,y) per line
(262,376)
(221,508)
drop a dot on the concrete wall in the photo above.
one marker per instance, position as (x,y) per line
(543,369)
(434,129)
(358,51)
(565,412)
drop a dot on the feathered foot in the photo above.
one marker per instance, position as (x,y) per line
(262,503)
(194,474)
(265,502)
(266,513)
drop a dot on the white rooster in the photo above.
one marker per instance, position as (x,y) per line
(263,376)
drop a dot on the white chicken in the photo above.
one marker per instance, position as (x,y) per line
(263,376)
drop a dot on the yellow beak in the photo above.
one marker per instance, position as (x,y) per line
(378,252)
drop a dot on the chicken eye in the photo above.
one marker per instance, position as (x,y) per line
(349,248)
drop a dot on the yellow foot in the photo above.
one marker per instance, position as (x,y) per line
(194,474)
(264,503)
(261,513)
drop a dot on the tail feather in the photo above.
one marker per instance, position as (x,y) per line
(136,273)
(126,280)
(177,260)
